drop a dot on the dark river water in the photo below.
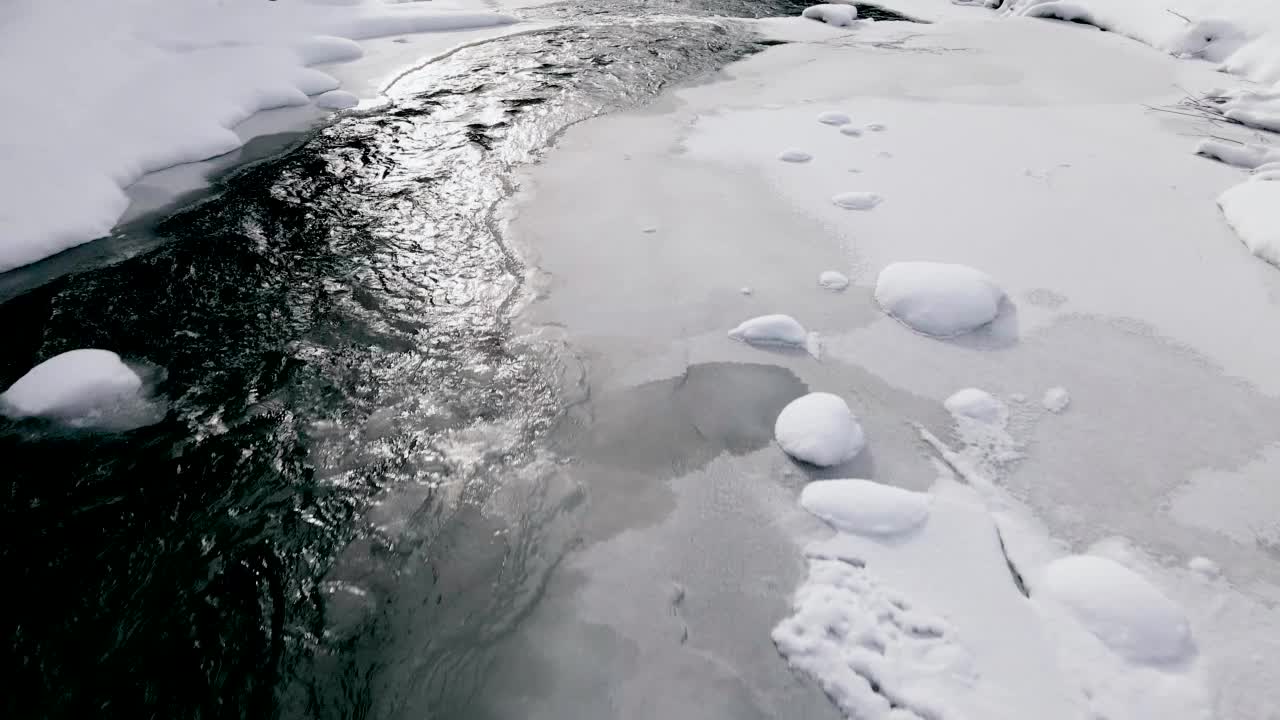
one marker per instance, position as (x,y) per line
(329,338)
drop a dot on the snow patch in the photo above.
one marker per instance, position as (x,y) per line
(833,117)
(838,15)
(776,331)
(820,429)
(795,156)
(863,507)
(1252,209)
(1056,399)
(833,281)
(79,386)
(938,299)
(978,405)
(857,200)
(1120,607)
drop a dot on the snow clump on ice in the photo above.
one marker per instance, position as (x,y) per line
(857,200)
(1056,399)
(1120,607)
(977,405)
(820,429)
(938,299)
(778,330)
(795,156)
(838,15)
(75,385)
(833,117)
(863,507)
(833,281)
(851,131)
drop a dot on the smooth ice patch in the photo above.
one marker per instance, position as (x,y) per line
(833,117)
(337,100)
(778,330)
(857,200)
(75,385)
(1056,399)
(833,281)
(938,299)
(977,405)
(1120,607)
(820,429)
(863,507)
(795,156)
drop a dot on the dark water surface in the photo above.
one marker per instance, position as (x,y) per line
(301,535)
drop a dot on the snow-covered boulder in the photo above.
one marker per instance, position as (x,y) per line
(978,405)
(938,299)
(1120,607)
(820,429)
(831,14)
(833,281)
(863,507)
(72,386)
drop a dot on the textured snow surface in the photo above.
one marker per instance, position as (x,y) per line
(863,507)
(1120,607)
(938,299)
(99,93)
(976,404)
(820,429)
(72,385)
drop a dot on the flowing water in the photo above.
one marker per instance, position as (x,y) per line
(350,496)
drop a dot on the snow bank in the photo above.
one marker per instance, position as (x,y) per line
(775,331)
(820,429)
(832,280)
(978,405)
(99,93)
(838,15)
(1252,209)
(1129,614)
(72,386)
(863,507)
(938,299)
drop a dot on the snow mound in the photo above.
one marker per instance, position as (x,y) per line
(337,100)
(1204,566)
(863,507)
(1240,154)
(1056,399)
(938,299)
(851,131)
(795,156)
(876,127)
(1120,607)
(777,330)
(820,429)
(833,117)
(1252,209)
(838,15)
(832,280)
(978,405)
(857,200)
(72,386)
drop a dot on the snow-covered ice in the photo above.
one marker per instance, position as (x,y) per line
(833,117)
(773,330)
(857,200)
(337,100)
(833,280)
(938,299)
(976,404)
(864,507)
(1120,607)
(73,386)
(795,156)
(832,14)
(820,429)
(851,131)
(1056,399)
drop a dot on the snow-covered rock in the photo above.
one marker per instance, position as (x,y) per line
(863,507)
(857,200)
(72,386)
(978,405)
(833,281)
(795,156)
(775,330)
(833,117)
(1120,607)
(831,14)
(1056,399)
(938,299)
(820,429)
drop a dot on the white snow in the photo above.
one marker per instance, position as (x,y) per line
(772,330)
(838,15)
(97,94)
(1252,209)
(1245,155)
(851,131)
(938,299)
(857,200)
(876,127)
(795,156)
(833,117)
(1056,399)
(863,507)
(1120,607)
(978,405)
(832,280)
(72,386)
(1204,566)
(820,429)
(337,100)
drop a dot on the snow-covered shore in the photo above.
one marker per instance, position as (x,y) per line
(100,94)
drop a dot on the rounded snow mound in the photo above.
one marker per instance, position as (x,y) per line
(857,200)
(795,156)
(977,405)
(838,15)
(832,117)
(863,507)
(1120,607)
(832,280)
(938,299)
(777,330)
(337,100)
(74,385)
(1056,399)
(820,429)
